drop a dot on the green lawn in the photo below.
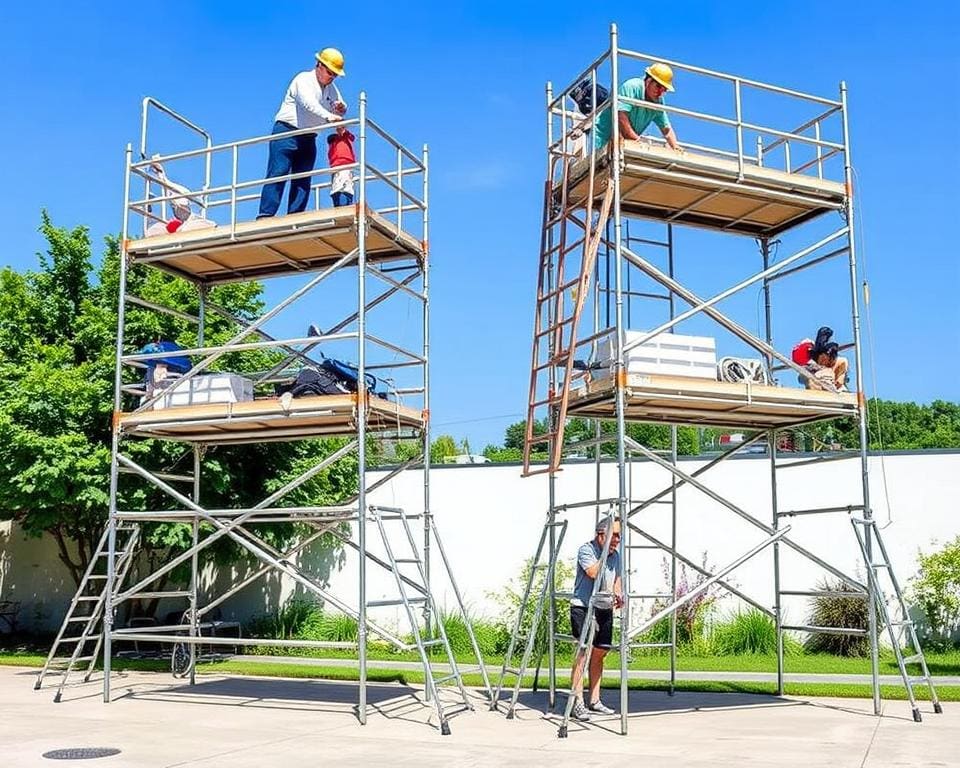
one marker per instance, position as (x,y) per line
(810,664)
(945,664)
(267,668)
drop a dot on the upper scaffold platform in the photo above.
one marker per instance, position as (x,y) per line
(275,246)
(745,170)
(704,190)
(225,240)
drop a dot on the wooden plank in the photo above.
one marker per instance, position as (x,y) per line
(654,196)
(718,403)
(212,254)
(301,410)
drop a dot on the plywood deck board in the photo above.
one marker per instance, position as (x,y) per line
(328,414)
(267,246)
(752,206)
(702,401)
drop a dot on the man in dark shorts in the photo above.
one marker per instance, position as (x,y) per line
(609,596)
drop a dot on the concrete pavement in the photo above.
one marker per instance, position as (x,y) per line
(155,720)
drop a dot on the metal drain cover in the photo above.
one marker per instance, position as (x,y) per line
(81,753)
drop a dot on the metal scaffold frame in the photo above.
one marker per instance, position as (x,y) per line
(379,246)
(591,196)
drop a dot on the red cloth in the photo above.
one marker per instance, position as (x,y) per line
(340,151)
(173,225)
(801,352)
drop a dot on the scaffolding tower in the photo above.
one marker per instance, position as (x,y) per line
(378,250)
(608,286)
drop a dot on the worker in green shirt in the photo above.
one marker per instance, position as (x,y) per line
(633,118)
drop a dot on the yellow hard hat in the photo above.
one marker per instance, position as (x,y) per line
(662,74)
(332,59)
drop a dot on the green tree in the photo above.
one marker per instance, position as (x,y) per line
(57,331)
(936,589)
(442,447)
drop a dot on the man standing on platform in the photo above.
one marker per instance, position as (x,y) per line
(609,596)
(311,101)
(634,118)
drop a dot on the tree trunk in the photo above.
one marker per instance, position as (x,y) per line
(63,552)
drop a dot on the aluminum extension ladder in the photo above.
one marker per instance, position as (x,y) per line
(902,629)
(423,598)
(86,610)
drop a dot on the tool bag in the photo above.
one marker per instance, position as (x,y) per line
(330,377)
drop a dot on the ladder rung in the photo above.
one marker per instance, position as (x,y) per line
(918,680)
(824,630)
(407,560)
(880,565)
(904,623)
(651,645)
(83,659)
(398,601)
(655,596)
(78,638)
(89,598)
(431,643)
(821,593)
(171,593)
(915,659)
(445,679)
(553,328)
(511,671)
(80,618)
(566,638)
(97,577)
(560,289)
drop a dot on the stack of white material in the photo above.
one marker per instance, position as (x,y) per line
(205,388)
(666,354)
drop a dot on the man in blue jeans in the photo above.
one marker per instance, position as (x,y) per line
(311,101)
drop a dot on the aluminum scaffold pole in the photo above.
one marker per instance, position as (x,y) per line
(862,410)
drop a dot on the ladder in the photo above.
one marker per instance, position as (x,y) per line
(537,565)
(83,623)
(422,598)
(555,332)
(901,629)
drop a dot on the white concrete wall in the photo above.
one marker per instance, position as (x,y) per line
(490,520)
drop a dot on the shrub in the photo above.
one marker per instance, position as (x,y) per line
(751,631)
(329,627)
(286,623)
(837,611)
(492,638)
(936,590)
(692,616)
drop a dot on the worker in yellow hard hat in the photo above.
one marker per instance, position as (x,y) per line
(312,100)
(633,118)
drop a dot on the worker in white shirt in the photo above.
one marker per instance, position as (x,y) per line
(311,101)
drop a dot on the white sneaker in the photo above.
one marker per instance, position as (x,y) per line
(580,712)
(600,708)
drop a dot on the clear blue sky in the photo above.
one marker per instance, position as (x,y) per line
(468,79)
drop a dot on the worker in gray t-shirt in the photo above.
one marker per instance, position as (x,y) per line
(609,596)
